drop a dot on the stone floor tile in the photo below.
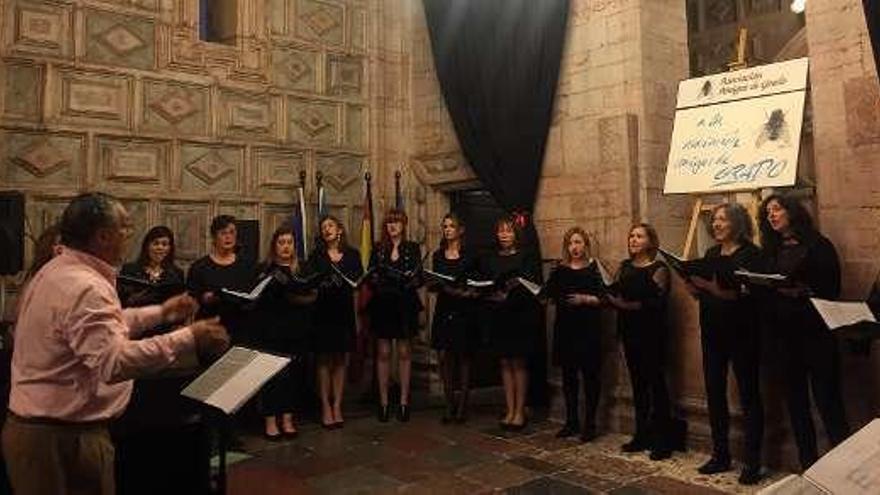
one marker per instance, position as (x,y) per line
(445,485)
(355,480)
(498,475)
(549,486)
(662,485)
(456,456)
(589,481)
(535,464)
(271,479)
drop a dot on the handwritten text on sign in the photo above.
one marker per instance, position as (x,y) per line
(738,145)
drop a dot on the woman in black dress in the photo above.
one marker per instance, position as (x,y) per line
(643,282)
(333,315)
(395,306)
(514,316)
(223,268)
(808,350)
(575,286)
(453,333)
(155,264)
(156,415)
(281,326)
(730,335)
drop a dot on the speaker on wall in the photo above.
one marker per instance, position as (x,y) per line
(11,232)
(248,236)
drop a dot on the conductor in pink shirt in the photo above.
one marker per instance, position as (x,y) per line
(75,356)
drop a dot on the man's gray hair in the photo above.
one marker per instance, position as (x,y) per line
(85,215)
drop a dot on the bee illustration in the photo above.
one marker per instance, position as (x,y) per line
(774,130)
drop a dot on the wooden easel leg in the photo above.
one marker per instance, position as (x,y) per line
(692,228)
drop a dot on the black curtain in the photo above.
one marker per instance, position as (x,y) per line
(872,15)
(498,64)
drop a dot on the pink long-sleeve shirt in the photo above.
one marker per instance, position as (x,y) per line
(74,358)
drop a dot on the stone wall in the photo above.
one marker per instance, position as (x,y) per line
(846,123)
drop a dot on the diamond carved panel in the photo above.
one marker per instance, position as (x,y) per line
(175,108)
(40,27)
(139,214)
(313,121)
(45,211)
(22,94)
(119,40)
(345,76)
(189,222)
(36,159)
(247,115)
(342,175)
(321,20)
(208,168)
(133,162)
(443,168)
(279,170)
(295,69)
(94,99)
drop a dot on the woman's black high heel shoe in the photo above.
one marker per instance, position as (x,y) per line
(383,413)
(403,413)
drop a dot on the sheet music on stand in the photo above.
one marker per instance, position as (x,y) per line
(849,468)
(234,378)
(838,314)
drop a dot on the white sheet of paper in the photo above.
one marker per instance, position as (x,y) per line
(792,484)
(853,466)
(839,314)
(529,285)
(439,275)
(606,277)
(235,378)
(759,277)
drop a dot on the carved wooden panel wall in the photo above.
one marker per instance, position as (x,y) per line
(122,96)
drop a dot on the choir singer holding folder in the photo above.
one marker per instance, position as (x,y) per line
(730,335)
(808,349)
(74,356)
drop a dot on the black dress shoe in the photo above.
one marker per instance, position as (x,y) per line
(660,453)
(382,414)
(403,413)
(715,465)
(449,415)
(588,435)
(635,445)
(518,427)
(750,475)
(568,430)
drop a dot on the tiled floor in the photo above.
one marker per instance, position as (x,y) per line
(424,456)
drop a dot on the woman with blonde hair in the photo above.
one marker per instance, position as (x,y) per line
(575,287)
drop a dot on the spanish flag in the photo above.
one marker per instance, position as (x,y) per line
(367,224)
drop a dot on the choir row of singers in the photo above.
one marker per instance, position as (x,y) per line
(506,318)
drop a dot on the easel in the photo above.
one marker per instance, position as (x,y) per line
(700,206)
